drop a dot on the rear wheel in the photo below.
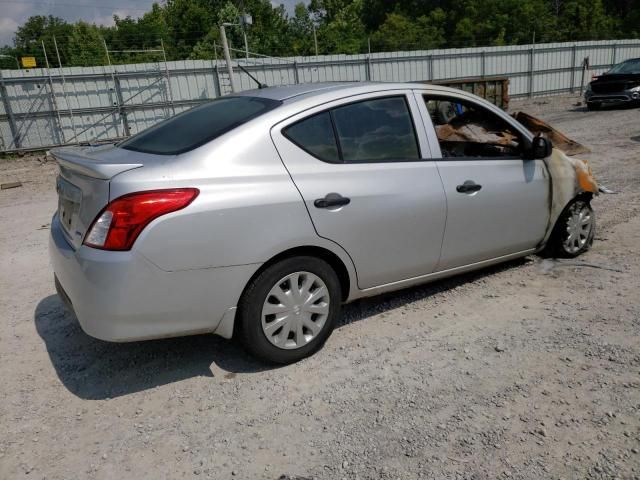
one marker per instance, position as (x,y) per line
(290,309)
(574,230)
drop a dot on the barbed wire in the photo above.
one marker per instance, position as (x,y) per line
(180,46)
(486,41)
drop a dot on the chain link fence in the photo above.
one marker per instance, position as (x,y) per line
(45,107)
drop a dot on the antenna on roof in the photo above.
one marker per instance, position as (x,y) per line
(260,85)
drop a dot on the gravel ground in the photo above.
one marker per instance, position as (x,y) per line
(526,370)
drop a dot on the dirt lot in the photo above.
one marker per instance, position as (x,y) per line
(528,370)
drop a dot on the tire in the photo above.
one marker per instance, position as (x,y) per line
(572,222)
(275,322)
(593,106)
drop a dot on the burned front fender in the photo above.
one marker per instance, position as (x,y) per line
(570,178)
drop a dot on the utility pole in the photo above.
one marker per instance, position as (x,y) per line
(245,20)
(53,95)
(166,70)
(64,91)
(315,39)
(227,57)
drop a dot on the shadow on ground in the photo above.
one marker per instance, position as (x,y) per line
(96,370)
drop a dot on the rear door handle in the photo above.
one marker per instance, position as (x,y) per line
(331,200)
(469,186)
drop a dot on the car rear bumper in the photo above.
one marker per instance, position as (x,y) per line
(122,296)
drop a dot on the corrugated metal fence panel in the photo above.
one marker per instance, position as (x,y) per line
(626,52)
(89,104)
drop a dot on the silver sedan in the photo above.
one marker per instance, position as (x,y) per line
(259,214)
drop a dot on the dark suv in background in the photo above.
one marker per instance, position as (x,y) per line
(618,86)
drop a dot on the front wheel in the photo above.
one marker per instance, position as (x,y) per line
(574,230)
(289,310)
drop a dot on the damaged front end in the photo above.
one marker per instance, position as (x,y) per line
(465,131)
(559,139)
(571,177)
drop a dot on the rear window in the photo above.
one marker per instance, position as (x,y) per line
(199,125)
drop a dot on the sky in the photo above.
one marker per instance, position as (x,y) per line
(13,13)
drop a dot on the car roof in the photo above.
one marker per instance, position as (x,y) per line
(293,93)
(297,98)
(289,91)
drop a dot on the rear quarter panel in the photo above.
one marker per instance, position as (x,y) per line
(248,209)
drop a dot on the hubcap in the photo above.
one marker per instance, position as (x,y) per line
(295,310)
(579,226)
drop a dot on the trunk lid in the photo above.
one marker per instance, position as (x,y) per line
(83,184)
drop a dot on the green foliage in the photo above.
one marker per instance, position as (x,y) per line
(190,28)
(188,21)
(341,30)
(399,32)
(587,20)
(85,46)
(301,31)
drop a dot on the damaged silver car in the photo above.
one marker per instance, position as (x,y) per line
(258,215)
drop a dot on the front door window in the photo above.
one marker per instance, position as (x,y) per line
(468,130)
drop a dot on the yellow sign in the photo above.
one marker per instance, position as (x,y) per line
(28,62)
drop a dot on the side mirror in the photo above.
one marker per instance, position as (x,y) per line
(540,148)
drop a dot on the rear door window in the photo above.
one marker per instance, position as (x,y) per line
(316,136)
(199,125)
(375,130)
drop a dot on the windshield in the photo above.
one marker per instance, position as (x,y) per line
(630,66)
(199,125)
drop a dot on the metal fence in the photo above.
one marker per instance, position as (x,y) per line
(42,108)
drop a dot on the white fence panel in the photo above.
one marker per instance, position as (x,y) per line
(93,104)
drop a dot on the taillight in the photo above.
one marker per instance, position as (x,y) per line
(120,223)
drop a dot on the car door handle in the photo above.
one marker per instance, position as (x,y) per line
(331,200)
(469,186)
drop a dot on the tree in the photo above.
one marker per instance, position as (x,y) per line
(8,58)
(85,46)
(399,32)
(269,33)
(190,28)
(631,24)
(330,10)
(340,30)
(301,31)
(37,29)
(586,20)
(187,22)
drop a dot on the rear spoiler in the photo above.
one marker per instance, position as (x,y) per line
(83,161)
